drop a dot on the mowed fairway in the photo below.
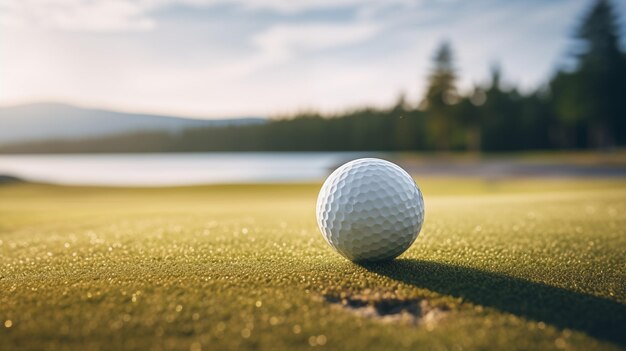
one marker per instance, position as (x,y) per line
(516,264)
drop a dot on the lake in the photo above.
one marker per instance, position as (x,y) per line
(267,167)
(174,168)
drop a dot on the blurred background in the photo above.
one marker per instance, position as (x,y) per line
(164,92)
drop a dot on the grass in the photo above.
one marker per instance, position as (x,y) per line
(519,264)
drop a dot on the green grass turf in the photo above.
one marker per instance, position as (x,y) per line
(521,264)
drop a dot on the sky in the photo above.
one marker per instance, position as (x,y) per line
(227,58)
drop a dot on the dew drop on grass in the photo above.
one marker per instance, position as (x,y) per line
(245,333)
(296,329)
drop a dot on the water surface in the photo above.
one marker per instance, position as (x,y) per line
(174,168)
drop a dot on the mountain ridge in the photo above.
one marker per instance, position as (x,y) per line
(51,120)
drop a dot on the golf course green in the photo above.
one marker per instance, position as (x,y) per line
(510,264)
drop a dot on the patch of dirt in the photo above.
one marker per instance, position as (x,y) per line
(390,309)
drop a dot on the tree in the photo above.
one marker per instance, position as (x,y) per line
(499,115)
(591,100)
(440,96)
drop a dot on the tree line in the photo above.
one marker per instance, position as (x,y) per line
(581,106)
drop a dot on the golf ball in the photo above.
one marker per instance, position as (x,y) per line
(370,210)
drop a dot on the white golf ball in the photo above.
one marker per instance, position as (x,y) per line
(370,210)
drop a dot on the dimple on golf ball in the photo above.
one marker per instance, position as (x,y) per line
(370,210)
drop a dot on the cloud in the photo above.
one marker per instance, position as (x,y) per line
(76,15)
(282,42)
(285,6)
(138,15)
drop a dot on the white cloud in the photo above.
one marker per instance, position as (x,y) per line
(133,15)
(76,15)
(280,43)
(287,6)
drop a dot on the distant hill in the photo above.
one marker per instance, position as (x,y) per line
(45,121)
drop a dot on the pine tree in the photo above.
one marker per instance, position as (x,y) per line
(599,33)
(440,95)
(591,100)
